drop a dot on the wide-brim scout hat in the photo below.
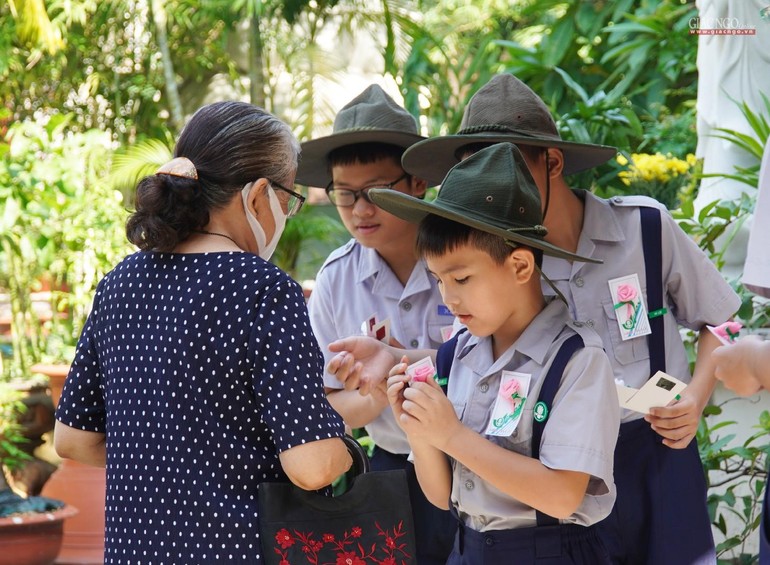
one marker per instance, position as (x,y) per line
(492,191)
(504,109)
(372,116)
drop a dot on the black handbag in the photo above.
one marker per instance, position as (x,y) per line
(371,522)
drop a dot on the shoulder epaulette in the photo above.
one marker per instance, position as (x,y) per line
(637,201)
(339,253)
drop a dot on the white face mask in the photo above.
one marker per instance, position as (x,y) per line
(265,249)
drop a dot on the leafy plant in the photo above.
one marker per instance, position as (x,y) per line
(736,476)
(736,473)
(659,176)
(303,244)
(754,145)
(11,406)
(60,224)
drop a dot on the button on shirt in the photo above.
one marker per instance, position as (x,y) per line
(356,283)
(580,432)
(696,292)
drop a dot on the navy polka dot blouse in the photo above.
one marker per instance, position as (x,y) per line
(200,369)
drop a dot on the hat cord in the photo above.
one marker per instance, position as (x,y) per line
(552,285)
(547,185)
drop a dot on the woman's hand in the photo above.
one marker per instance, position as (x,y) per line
(361,362)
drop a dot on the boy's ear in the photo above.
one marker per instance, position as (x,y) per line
(419,186)
(555,161)
(522,264)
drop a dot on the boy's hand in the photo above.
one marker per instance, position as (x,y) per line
(397,383)
(736,365)
(361,363)
(426,414)
(677,423)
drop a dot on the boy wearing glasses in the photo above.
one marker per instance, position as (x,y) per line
(376,274)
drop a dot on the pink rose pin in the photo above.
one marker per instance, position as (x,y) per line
(728,332)
(510,391)
(626,293)
(421,374)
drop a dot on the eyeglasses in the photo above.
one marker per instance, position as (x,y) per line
(344,198)
(295,202)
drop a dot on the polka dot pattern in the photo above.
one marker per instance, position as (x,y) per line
(200,369)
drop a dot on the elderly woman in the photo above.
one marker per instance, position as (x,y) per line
(197,375)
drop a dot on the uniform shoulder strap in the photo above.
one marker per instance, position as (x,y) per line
(653,268)
(444,357)
(544,404)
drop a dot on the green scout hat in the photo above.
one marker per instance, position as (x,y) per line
(504,109)
(371,117)
(492,191)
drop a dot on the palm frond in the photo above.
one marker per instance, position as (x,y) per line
(136,162)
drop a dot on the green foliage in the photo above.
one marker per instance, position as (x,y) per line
(11,437)
(59,223)
(736,477)
(736,474)
(754,145)
(302,247)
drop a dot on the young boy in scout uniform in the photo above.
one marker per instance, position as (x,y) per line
(377,273)
(660,516)
(521,446)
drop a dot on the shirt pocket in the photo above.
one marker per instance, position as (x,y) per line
(625,351)
(459,409)
(434,331)
(520,441)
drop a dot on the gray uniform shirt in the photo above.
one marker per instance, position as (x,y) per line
(580,432)
(695,291)
(354,283)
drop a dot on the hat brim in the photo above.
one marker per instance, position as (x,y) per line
(414,210)
(313,169)
(432,158)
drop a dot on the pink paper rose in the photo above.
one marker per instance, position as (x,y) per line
(626,293)
(510,388)
(728,331)
(421,374)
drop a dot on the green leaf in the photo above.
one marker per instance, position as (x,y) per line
(555,45)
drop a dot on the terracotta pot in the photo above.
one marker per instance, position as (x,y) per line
(33,539)
(82,486)
(56,374)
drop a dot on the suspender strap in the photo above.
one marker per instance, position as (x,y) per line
(653,267)
(545,402)
(444,357)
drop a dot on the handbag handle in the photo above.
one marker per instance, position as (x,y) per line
(358,453)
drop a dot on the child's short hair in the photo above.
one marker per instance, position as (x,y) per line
(364,153)
(438,236)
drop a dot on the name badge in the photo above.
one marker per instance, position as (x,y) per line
(630,311)
(509,405)
(443,310)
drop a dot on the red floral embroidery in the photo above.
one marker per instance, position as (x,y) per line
(284,538)
(343,550)
(349,558)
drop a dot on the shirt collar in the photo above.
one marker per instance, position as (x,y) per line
(535,342)
(372,264)
(599,221)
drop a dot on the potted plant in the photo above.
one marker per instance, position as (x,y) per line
(31,528)
(61,230)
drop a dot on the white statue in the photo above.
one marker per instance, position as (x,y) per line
(732,69)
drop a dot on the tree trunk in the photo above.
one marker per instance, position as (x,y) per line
(175,104)
(256,62)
